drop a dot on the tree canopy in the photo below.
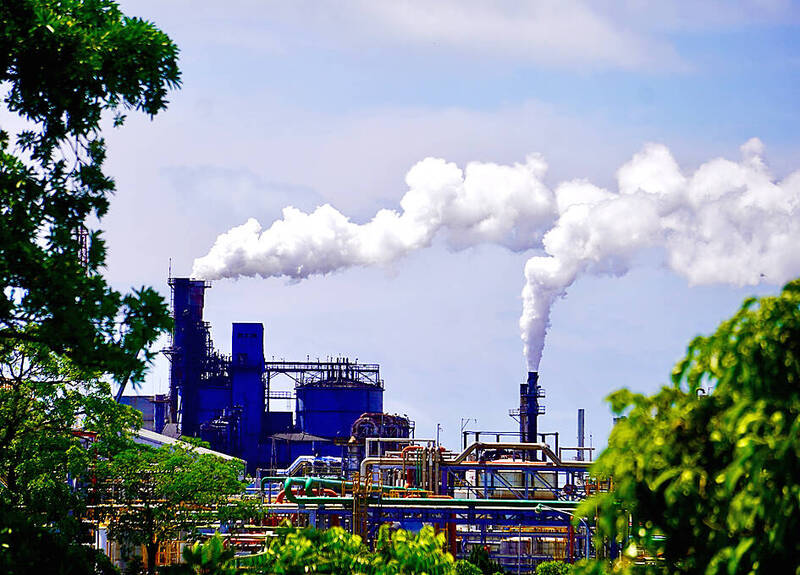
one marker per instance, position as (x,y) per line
(64,66)
(150,495)
(706,472)
(296,551)
(68,68)
(54,424)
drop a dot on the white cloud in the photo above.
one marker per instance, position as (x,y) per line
(631,34)
(567,32)
(692,16)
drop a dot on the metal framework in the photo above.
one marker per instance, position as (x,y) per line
(518,539)
(339,372)
(336,372)
(489,495)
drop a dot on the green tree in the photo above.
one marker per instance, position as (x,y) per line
(209,558)
(65,65)
(479,556)
(463,567)
(152,495)
(402,552)
(29,549)
(553,568)
(706,472)
(54,425)
(334,551)
(296,551)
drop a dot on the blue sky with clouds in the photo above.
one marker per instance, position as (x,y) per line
(304,103)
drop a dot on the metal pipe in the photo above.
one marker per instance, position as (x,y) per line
(543,447)
(370,440)
(423,501)
(368,462)
(572,465)
(425,469)
(403,453)
(435,478)
(308,482)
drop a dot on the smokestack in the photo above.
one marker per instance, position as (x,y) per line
(581,428)
(529,408)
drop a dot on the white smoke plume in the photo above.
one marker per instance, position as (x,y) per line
(728,222)
(506,205)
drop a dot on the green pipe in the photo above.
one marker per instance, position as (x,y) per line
(334,483)
(326,483)
(270,480)
(421,501)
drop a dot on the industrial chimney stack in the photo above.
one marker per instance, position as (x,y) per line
(529,394)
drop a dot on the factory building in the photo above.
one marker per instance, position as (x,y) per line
(322,451)
(225,400)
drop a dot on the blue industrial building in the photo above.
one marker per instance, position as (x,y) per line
(225,400)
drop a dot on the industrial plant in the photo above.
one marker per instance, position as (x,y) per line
(337,459)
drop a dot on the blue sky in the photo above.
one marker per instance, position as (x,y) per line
(305,103)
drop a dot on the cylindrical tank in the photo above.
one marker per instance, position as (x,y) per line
(329,409)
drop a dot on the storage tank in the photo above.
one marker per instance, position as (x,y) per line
(328,408)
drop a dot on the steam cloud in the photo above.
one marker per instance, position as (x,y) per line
(728,222)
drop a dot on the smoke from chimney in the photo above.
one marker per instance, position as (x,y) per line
(485,203)
(727,222)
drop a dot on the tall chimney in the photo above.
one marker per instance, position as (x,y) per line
(581,428)
(529,408)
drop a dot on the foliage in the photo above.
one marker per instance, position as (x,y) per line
(403,552)
(63,65)
(43,402)
(298,551)
(23,545)
(164,491)
(553,568)
(479,556)
(210,557)
(463,567)
(710,482)
(133,566)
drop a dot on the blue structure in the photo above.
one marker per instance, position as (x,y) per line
(225,399)
(329,397)
(188,349)
(247,389)
(199,383)
(329,408)
(530,408)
